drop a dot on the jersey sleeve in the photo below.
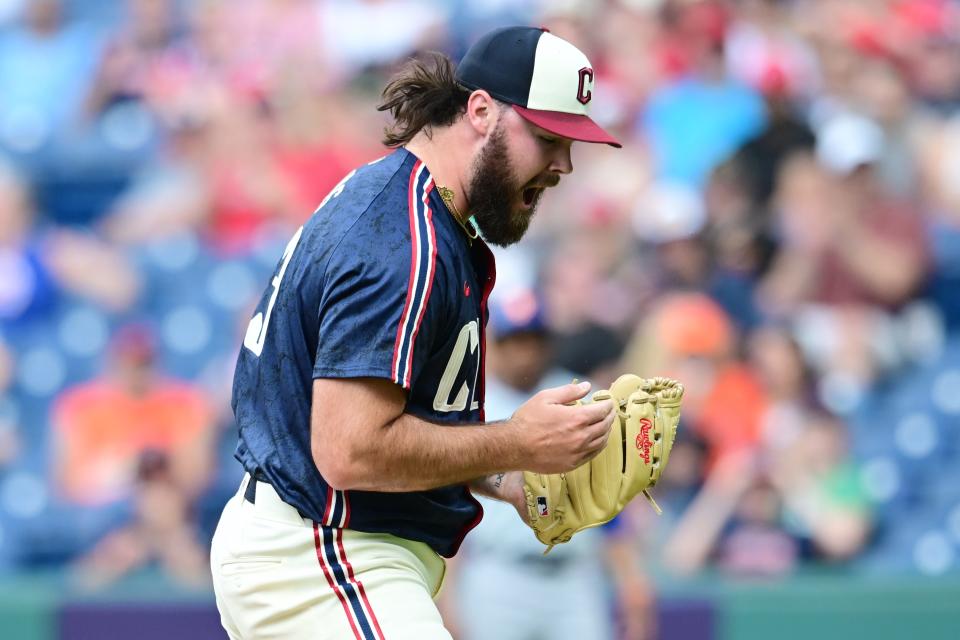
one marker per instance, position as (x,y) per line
(382,306)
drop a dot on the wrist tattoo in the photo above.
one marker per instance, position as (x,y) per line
(498,481)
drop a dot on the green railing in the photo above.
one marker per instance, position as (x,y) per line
(808,607)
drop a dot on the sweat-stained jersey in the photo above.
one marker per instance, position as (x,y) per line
(380,282)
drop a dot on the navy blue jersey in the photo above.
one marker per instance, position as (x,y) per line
(380,282)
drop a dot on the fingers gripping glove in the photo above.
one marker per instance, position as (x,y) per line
(560,505)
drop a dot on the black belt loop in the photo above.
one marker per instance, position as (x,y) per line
(250,493)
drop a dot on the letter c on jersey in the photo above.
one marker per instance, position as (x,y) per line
(469,336)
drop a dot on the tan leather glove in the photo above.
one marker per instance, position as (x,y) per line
(648,411)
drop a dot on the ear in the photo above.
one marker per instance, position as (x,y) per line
(482,111)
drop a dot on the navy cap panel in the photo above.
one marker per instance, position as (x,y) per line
(501,63)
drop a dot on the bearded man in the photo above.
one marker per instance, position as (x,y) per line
(359,390)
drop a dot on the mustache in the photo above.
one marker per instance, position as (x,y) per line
(551,180)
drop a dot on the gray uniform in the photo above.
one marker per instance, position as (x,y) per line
(501,567)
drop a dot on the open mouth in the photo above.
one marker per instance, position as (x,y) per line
(530,195)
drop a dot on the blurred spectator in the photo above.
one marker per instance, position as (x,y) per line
(213,65)
(634,53)
(591,296)
(317,138)
(940,170)
(764,51)
(758,161)
(734,523)
(697,121)
(825,502)
(246,189)
(668,218)
(161,533)
(46,64)
(684,476)
(371,33)
(169,196)
(851,253)
(754,519)
(129,63)
(738,240)
(590,264)
(27,285)
(807,450)
(934,61)
(796,495)
(10,439)
(501,560)
(38,264)
(718,250)
(283,37)
(688,336)
(103,427)
(224,176)
(883,95)
(788,382)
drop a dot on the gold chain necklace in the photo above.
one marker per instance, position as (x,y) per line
(448,199)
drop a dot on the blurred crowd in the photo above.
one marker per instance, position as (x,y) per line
(781,232)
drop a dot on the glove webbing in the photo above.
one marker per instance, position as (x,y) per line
(621,406)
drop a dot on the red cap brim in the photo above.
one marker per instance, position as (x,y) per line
(568,125)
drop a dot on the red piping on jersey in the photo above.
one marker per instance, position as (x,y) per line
(412,284)
(327,515)
(431,270)
(484,296)
(423,258)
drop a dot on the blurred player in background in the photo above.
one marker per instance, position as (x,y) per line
(359,390)
(581,583)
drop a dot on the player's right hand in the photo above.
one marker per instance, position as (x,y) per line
(555,434)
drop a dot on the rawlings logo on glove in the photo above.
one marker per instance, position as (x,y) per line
(647,413)
(643,440)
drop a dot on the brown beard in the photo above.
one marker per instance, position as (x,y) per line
(492,194)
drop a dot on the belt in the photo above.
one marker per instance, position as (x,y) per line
(273,507)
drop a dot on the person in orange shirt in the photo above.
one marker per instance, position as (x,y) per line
(102,428)
(691,337)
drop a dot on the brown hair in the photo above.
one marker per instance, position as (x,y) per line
(423,94)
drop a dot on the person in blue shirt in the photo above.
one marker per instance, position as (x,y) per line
(359,389)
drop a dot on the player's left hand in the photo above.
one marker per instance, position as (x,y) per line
(632,461)
(514,494)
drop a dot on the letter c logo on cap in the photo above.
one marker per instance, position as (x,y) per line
(584,93)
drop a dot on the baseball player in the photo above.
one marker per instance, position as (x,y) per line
(359,389)
(500,563)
